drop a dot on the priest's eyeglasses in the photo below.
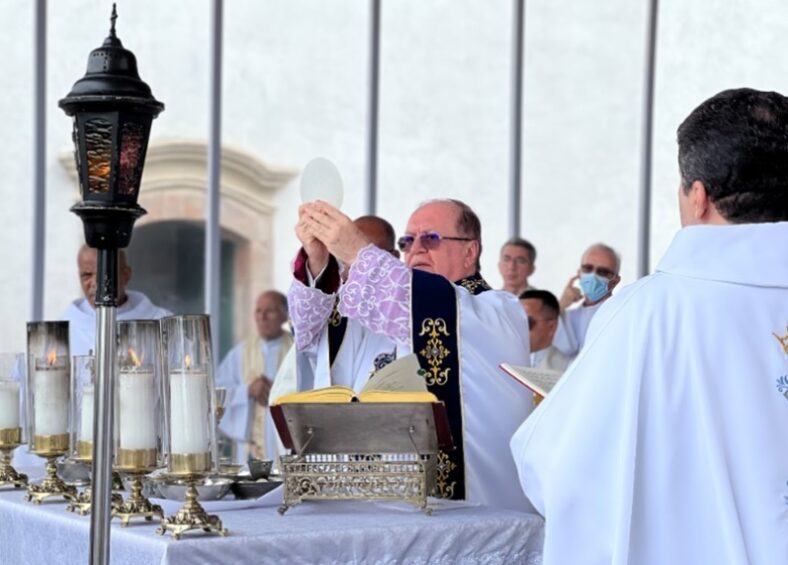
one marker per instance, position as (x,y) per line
(601,271)
(429,240)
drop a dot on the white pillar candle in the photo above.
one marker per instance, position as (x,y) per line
(86,414)
(188,412)
(9,405)
(137,409)
(50,401)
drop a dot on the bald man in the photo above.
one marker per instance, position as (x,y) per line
(247,372)
(81,313)
(81,316)
(597,276)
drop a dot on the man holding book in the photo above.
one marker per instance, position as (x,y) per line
(437,306)
(665,441)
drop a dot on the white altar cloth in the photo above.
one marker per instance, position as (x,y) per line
(313,532)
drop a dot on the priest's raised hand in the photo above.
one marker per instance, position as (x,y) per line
(335,230)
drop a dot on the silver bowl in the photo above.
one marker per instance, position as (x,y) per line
(75,473)
(211,488)
(260,468)
(244,489)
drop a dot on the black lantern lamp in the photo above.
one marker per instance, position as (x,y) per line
(113,110)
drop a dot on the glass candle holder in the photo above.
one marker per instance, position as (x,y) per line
(189,400)
(138,392)
(190,418)
(48,388)
(48,404)
(83,394)
(11,375)
(138,430)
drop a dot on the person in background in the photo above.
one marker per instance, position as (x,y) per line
(597,276)
(541,307)
(517,262)
(247,372)
(81,313)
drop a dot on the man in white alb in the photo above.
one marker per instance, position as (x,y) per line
(666,441)
(597,276)
(81,317)
(541,307)
(247,372)
(81,313)
(437,306)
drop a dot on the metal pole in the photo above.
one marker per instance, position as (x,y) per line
(212,233)
(39,164)
(373,107)
(515,140)
(647,136)
(103,411)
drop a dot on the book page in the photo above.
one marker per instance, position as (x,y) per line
(540,381)
(401,374)
(331,394)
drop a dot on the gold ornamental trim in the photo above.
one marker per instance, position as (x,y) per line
(84,450)
(435,352)
(55,444)
(10,437)
(190,463)
(136,459)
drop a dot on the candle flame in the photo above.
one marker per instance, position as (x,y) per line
(187,361)
(135,360)
(51,357)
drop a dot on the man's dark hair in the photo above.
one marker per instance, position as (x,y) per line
(525,244)
(736,144)
(550,306)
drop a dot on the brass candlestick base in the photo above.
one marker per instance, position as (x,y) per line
(117,482)
(9,475)
(192,516)
(137,505)
(80,504)
(51,485)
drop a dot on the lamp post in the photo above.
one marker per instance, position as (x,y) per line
(113,110)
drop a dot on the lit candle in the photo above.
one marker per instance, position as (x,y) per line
(86,415)
(9,405)
(137,409)
(189,408)
(51,398)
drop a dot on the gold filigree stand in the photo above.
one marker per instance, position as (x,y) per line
(191,516)
(9,475)
(10,439)
(81,503)
(51,485)
(136,505)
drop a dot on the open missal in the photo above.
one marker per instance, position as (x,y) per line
(540,381)
(399,381)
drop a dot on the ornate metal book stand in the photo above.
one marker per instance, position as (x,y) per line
(361,451)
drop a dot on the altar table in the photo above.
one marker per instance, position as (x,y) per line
(329,532)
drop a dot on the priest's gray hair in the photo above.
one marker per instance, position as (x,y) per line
(468,223)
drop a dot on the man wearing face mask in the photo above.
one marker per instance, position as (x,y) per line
(597,276)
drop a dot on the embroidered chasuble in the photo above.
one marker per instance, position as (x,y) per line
(436,342)
(253,364)
(386,305)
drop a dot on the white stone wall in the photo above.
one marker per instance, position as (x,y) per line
(295,88)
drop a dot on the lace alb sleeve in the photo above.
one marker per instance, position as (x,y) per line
(309,310)
(377,294)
